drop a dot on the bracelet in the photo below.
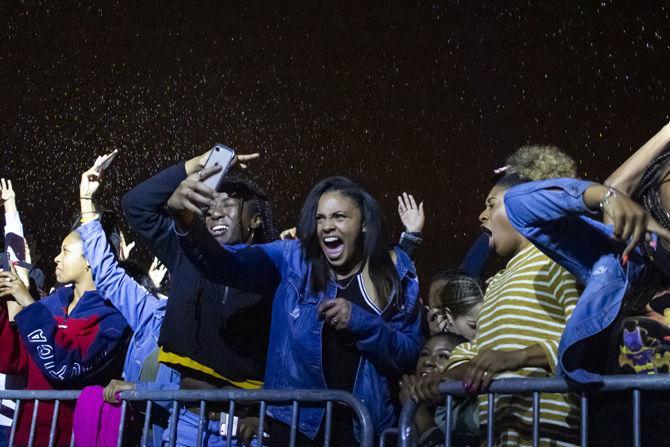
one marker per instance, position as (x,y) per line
(611,192)
(85,198)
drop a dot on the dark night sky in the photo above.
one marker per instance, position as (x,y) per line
(425,97)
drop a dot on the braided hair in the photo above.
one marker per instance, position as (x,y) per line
(647,192)
(252,195)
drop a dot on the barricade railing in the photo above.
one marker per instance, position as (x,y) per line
(202,398)
(534,387)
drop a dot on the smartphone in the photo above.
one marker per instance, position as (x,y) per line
(108,161)
(4,262)
(220,156)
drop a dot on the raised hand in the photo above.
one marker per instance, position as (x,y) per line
(7,195)
(411,215)
(157,272)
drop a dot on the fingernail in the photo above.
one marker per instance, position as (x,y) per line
(624,260)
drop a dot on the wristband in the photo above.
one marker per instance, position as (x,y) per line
(90,218)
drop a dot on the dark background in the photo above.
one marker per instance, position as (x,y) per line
(416,96)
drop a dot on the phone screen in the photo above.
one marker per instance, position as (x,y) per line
(4,262)
(220,156)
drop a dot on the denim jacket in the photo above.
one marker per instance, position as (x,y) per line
(143,311)
(389,343)
(553,216)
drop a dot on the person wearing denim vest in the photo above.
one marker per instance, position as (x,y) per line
(389,343)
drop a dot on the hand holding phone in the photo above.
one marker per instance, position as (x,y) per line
(219,156)
(106,161)
(4,262)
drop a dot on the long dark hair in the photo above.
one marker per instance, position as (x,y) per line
(374,239)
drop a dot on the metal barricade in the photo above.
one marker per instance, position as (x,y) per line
(263,397)
(534,387)
(389,432)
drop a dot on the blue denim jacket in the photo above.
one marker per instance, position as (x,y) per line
(143,311)
(390,343)
(553,216)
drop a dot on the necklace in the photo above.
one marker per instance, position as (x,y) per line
(342,287)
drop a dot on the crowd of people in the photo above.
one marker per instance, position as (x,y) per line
(231,303)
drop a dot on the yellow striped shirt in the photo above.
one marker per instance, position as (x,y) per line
(525,304)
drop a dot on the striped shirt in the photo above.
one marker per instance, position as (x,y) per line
(527,303)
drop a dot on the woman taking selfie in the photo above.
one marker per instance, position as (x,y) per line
(345,312)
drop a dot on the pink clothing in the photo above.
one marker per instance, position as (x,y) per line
(96,423)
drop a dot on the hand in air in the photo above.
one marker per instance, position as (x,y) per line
(157,272)
(411,215)
(90,179)
(7,193)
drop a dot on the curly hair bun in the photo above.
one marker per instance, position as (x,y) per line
(541,163)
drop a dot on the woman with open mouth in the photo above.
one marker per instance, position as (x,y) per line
(524,313)
(345,313)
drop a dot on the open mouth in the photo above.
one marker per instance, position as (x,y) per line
(218,229)
(334,246)
(487,231)
(426,371)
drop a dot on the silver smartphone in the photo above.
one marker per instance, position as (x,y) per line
(220,156)
(108,161)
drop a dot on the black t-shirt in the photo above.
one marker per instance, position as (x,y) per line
(341,357)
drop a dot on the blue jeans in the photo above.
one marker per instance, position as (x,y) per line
(187,432)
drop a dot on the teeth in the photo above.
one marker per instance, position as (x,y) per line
(331,239)
(220,227)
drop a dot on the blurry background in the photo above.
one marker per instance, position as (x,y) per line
(419,96)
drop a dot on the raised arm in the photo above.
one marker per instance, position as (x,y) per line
(413,219)
(144,208)
(627,177)
(14,238)
(134,302)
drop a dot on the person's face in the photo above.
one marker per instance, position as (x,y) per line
(338,227)
(505,240)
(466,325)
(70,263)
(434,356)
(223,219)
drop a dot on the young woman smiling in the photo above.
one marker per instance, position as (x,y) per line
(345,313)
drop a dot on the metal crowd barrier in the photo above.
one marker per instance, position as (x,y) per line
(294,397)
(535,386)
